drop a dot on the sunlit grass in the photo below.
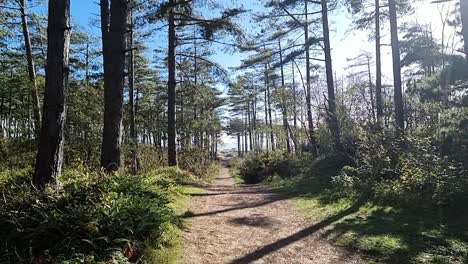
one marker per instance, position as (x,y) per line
(385,234)
(171,250)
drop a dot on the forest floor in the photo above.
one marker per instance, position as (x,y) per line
(231,224)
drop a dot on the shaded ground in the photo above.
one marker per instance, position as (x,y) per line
(248,224)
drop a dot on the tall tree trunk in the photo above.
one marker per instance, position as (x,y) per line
(283,101)
(131,95)
(332,115)
(249,115)
(371,90)
(114,41)
(246,145)
(31,68)
(266,106)
(378,66)
(239,149)
(272,137)
(294,96)
(50,155)
(10,103)
(171,90)
(310,120)
(398,96)
(464,18)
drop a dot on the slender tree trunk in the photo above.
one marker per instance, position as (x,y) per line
(50,155)
(332,115)
(272,137)
(310,120)
(371,90)
(171,91)
(283,101)
(31,68)
(378,66)
(131,95)
(10,118)
(294,95)
(266,105)
(114,41)
(246,145)
(249,126)
(239,149)
(398,96)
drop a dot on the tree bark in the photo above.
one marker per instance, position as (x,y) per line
(398,96)
(171,90)
(294,96)
(371,90)
(131,95)
(310,120)
(332,115)
(266,107)
(272,137)
(239,149)
(283,101)
(378,65)
(114,46)
(50,155)
(249,126)
(31,68)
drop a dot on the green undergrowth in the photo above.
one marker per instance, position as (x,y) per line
(91,217)
(385,234)
(172,253)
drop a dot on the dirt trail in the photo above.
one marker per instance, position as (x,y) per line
(248,224)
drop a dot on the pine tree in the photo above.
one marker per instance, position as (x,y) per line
(50,155)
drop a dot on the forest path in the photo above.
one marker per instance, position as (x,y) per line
(236,224)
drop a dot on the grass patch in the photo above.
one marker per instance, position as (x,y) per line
(386,234)
(172,249)
(234,172)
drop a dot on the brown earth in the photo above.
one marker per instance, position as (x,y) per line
(235,224)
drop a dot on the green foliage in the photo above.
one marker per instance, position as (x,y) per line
(16,153)
(257,167)
(83,127)
(411,172)
(453,137)
(89,217)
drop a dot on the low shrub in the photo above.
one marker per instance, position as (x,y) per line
(416,176)
(16,153)
(257,167)
(88,218)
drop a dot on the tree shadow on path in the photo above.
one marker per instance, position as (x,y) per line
(270,248)
(268,200)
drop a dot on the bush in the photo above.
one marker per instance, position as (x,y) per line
(325,167)
(414,174)
(90,217)
(16,153)
(257,167)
